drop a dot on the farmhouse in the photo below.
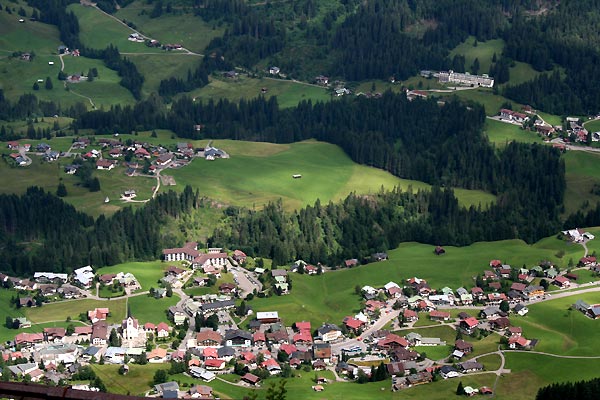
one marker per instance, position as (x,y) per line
(577,235)
(513,115)
(105,164)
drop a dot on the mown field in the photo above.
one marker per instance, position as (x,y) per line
(147,273)
(72,308)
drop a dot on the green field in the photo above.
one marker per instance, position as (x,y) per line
(288,93)
(592,125)
(521,72)
(484,51)
(491,102)
(502,133)
(98,31)
(248,179)
(147,273)
(531,371)
(148,309)
(72,308)
(156,67)
(186,29)
(582,174)
(559,329)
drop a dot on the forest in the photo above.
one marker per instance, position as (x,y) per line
(40,232)
(582,390)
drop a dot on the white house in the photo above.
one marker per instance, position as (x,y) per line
(84,276)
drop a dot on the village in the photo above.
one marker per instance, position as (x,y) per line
(210,335)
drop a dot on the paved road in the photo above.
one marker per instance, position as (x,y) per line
(576,148)
(384,318)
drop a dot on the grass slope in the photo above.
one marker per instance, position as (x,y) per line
(501,133)
(147,273)
(484,52)
(582,174)
(327,174)
(72,308)
(559,329)
(178,27)
(288,93)
(98,30)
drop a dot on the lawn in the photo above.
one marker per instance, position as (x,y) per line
(106,292)
(502,133)
(288,93)
(435,353)
(72,308)
(521,72)
(582,174)
(484,51)
(137,381)
(186,29)
(327,174)
(148,309)
(561,330)
(147,273)
(490,362)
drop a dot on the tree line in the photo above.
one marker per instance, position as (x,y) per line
(582,390)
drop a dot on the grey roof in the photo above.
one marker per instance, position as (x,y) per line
(216,305)
(328,328)
(447,369)
(225,351)
(91,351)
(161,388)
(235,333)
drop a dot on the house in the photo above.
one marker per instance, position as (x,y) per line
(518,342)
(577,235)
(351,263)
(202,373)
(50,277)
(500,323)
(98,314)
(239,256)
(274,70)
(214,364)
(322,80)
(216,260)
(463,346)
(392,341)
(561,282)
(329,332)
(410,316)
(166,387)
(490,312)
(468,325)
(227,288)
(322,351)
(439,315)
(379,256)
(105,164)
(238,337)
(251,379)
(84,276)
(200,392)
(157,355)
(141,152)
(448,372)
(588,261)
(521,309)
(99,333)
(268,317)
(470,366)
(164,159)
(353,324)
(513,116)
(208,337)
(439,250)
(514,331)
(28,339)
(162,330)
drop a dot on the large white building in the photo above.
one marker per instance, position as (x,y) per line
(465,79)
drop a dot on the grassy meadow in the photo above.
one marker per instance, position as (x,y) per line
(147,273)
(288,93)
(177,27)
(72,308)
(254,177)
(483,51)
(582,174)
(149,309)
(501,133)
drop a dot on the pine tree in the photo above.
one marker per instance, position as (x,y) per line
(49,85)
(61,191)
(36,86)
(460,390)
